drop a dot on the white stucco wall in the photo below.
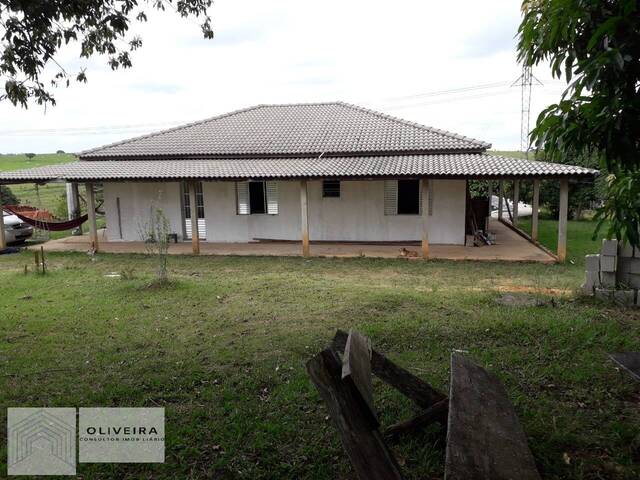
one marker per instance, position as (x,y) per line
(357,215)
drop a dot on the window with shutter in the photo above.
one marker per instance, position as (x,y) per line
(272,197)
(242,194)
(391,197)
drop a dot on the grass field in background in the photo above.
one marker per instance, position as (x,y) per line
(223,350)
(49,196)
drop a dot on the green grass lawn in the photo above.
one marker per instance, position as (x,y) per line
(223,349)
(579,237)
(47,196)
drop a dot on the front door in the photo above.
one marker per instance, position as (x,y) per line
(186,211)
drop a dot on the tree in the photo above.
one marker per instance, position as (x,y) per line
(32,32)
(595,46)
(7,196)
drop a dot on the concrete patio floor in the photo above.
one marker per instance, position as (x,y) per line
(509,247)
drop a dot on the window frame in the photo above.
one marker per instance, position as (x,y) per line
(329,193)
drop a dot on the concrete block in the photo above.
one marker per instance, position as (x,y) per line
(608,263)
(592,278)
(604,294)
(632,280)
(634,265)
(638,299)
(592,262)
(609,247)
(625,298)
(625,250)
(608,279)
(624,264)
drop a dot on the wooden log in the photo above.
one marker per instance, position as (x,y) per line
(370,457)
(485,440)
(424,185)
(356,368)
(562,219)
(535,209)
(629,361)
(423,394)
(435,413)
(195,232)
(304,219)
(91,212)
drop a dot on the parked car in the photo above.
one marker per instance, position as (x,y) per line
(15,230)
(524,209)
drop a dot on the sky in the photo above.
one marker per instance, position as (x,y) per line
(447,65)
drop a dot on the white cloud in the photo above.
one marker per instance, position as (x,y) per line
(378,54)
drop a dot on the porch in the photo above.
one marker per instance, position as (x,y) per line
(509,246)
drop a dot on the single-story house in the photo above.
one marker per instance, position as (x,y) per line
(316,172)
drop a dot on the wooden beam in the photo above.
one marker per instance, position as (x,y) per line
(3,240)
(423,394)
(370,457)
(304,218)
(356,368)
(535,205)
(436,413)
(91,212)
(516,200)
(424,184)
(195,234)
(485,440)
(490,195)
(562,219)
(500,198)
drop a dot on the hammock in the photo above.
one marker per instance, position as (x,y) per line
(43,219)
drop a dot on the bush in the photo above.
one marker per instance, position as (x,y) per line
(29,155)
(8,197)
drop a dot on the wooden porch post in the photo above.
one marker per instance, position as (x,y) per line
(516,200)
(304,218)
(91,212)
(535,206)
(490,195)
(500,198)
(424,184)
(3,241)
(562,219)
(195,234)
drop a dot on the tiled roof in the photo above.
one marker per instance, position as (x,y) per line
(455,165)
(289,130)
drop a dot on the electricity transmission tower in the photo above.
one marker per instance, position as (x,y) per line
(525,81)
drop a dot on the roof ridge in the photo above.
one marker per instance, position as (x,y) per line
(447,133)
(172,129)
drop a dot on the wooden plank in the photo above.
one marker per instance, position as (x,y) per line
(516,200)
(423,394)
(356,368)
(435,413)
(535,206)
(91,211)
(629,361)
(370,457)
(485,440)
(193,206)
(562,220)
(304,218)
(424,185)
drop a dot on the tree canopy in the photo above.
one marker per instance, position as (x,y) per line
(595,47)
(33,31)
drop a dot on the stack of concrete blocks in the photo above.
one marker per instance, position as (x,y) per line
(614,273)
